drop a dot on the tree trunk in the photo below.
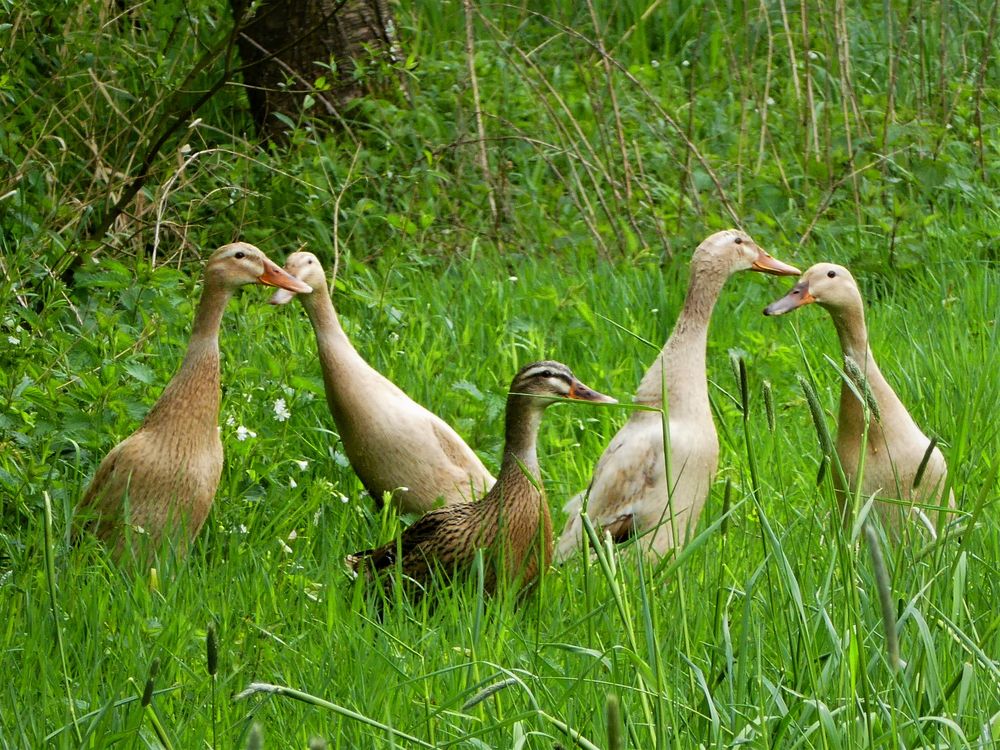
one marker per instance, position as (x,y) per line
(331,50)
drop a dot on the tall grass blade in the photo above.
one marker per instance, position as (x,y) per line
(287,692)
(50,579)
(884,588)
(922,466)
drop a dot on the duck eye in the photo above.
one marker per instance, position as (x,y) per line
(240,254)
(309,262)
(738,240)
(831,274)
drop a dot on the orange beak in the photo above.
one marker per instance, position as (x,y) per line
(766,264)
(581,392)
(798,297)
(275,275)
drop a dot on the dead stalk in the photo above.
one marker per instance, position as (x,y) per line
(483,160)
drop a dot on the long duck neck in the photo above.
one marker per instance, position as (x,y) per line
(517,496)
(337,355)
(523,417)
(853,335)
(683,356)
(193,396)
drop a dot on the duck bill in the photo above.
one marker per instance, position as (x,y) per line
(275,275)
(581,392)
(798,297)
(766,264)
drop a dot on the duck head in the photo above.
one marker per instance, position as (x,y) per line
(547,382)
(306,267)
(734,250)
(827,284)
(240,263)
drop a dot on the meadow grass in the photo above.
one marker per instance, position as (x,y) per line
(767,629)
(617,136)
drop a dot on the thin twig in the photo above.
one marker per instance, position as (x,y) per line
(825,203)
(482,158)
(981,82)
(655,102)
(616,110)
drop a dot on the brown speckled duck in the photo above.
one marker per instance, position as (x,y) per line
(394,444)
(628,493)
(159,483)
(505,523)
(895,446)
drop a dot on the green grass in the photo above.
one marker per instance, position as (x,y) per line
(767,629)
(865,134)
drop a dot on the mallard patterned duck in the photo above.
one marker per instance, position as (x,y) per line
(628,493)
(895,446)
(512,523)
(161,480)
(394,444)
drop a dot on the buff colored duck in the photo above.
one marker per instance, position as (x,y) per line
(394,444)
(506,522)
(628,494)
(895,447)
(159,483)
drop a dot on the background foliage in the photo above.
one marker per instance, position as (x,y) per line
(616,136)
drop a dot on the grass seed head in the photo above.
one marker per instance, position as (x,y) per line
(147,693)
(854,373)
(212,650)
(255,740)
(768,404)
(613,716)
(816,410)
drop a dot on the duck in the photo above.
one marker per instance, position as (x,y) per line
(512,523)
(893,447)
(628,493)
(397,448)
(158,484)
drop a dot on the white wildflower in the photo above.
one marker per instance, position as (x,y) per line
(281,412)
(14,340)
(655,63)
(230,421)
(242,433)
(685,64)
(302,463)
(289,391)
(293,535)
(770,101)
(813,55)
(512,278)
(292,483)
(284,547)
